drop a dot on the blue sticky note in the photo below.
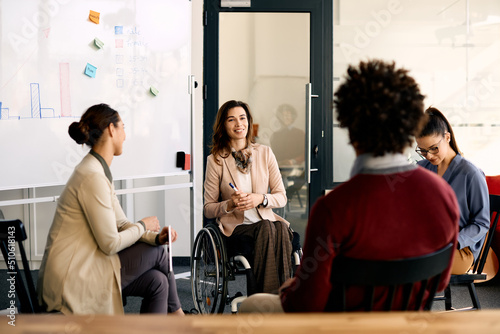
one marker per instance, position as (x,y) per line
(118,30)
(90,70)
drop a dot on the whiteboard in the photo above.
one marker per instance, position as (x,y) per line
(45,47)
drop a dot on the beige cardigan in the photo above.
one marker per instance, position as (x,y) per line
(80,270)
(266,179)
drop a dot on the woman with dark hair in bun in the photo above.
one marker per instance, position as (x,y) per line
(94,255)
(437,144)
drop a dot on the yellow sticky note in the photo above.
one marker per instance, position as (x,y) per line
(94,16)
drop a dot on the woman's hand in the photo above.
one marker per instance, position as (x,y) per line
(286,284)
(163,237)
(152,223)
(243,201)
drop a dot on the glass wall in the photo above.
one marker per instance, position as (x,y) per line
(452,49)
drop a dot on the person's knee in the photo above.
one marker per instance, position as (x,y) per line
(267,227)
(261,303)
(157,282)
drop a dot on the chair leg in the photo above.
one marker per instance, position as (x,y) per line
(300,200)
(447,298)
(473,296)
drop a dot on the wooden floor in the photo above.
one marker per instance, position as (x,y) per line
(484,322)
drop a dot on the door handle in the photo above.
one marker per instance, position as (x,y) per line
(309,97)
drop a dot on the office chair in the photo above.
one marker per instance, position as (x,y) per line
(476,273)
(405,280)
(12,235)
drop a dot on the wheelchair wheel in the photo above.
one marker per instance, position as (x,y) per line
(208,272)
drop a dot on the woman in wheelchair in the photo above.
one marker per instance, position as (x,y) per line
(242,186)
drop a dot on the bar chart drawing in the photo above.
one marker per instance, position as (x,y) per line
(4,113)
(36,106)
(64,89)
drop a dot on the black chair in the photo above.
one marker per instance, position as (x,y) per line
(476,273)
(398,277)
(12,235)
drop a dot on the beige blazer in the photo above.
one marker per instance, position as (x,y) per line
(266,179)
(80,270)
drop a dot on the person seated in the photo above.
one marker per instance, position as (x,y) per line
(388,209)
(242,186)
(94,255)
(288,143)
(437,144)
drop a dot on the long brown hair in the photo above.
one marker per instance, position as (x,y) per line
(439,125)
(220,139)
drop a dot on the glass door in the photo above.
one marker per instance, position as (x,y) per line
(264,61)
(274,56)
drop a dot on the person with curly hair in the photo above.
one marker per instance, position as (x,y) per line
(437,144)
(378,213)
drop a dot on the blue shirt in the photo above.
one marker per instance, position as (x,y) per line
(471,190)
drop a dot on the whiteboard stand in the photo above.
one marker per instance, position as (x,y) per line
(129,199)
(194,212)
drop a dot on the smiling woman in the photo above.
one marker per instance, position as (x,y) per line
(242,186)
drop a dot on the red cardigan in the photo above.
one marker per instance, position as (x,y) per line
(372,217)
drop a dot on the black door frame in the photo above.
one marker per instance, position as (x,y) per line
(321,74)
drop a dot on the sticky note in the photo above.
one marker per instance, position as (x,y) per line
(94,16)
(118,30)
(153,91)
(90,70)
(98,43)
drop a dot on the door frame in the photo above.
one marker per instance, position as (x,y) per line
(321,75)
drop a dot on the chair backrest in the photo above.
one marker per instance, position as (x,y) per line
(494,214)
(397,277)
(12,235)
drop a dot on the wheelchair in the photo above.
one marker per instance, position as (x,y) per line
(212,268)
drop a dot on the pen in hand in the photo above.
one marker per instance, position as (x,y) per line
(233,198)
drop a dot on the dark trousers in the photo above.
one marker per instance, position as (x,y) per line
(145,273)
(270,255)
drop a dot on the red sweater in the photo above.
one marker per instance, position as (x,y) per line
(372,217)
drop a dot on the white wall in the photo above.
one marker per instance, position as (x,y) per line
(452,48)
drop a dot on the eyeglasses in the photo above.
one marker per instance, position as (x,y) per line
(432,150)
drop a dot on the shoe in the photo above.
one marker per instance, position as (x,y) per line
(191,311)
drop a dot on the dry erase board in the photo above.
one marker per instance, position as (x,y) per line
(56,60)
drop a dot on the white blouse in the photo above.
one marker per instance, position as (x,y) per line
(252,215)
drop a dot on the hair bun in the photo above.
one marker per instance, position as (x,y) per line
(79,132)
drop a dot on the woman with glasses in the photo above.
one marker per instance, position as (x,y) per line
(437,144)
